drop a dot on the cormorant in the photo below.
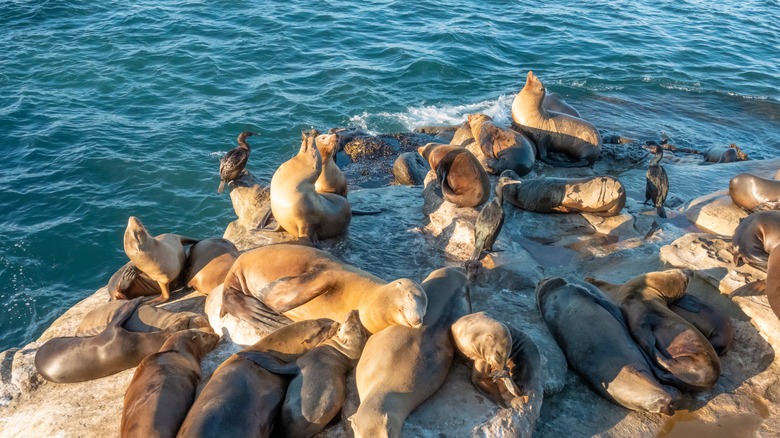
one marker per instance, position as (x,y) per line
(232,164)
(490,220)
(657,182)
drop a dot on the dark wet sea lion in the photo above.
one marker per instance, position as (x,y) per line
(592,334)
(490,221)
(145,319)
(163,386)
(555,103)
(670,342)
(295,202)
(755,237)
(602,195)
(713,324)
(304,283)
(499,149)
(82,358)
(724,155)
(410,169)
(463,180)
(754,193)
(551,131)
(243,399)
(208,263)
(402,366)
(656,181)
(231,166)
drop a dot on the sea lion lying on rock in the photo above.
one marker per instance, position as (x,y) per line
(208,263)
(600,195)
(463,180)
(754,193)
(730,154)
(144,319)
(592,333)
(755,237)
(499,149)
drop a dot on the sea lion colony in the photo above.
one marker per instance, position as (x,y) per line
(638,344)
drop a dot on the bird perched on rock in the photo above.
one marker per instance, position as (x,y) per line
(490,219)
(657,182)
(232,164)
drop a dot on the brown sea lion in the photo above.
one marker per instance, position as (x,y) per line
(162,258)
(129,282)
(463,180)
(331,179)
(145,319)
(318,388)
(670,342)
(552,131)
(305,283)
(463,136)
(755,237)
(499,149)
(296,204)
(402,366)
(208,263)
(602,195)
(243,399)
(555,103)
(592,335)
(753,193)
(82,358)
(163,386)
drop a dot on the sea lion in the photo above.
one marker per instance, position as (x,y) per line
(592,335)
(402,366)
(656,181)
(753,193)
(410,169)
(463,136)
(499,149)
(163,386)
(305,283)
(296,204)
(144,319)
(129,282)
(208,263)
(496,349)
(552,131)
(82,358)
(490,220)
(555,103)
(231,166)
(685,358)
(463,180)
(318,388)
(730,154)
(602,195)
(331,179)
(755,237)
(242,398)
(162,258)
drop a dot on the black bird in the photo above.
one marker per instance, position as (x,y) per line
(657,182)
(490,220)
(232,164)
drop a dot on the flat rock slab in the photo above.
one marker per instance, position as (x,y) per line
(715,213)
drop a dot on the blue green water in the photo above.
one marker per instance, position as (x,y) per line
(110,109)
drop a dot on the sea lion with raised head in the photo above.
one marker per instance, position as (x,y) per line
(231,166)
(592,334)
(554,102)
(463,180)
(499,149)
(82,358)
(552,131)
(301,283)
(208,263)
(162,258)
(243,398)
(144,319)
(754,193)
(683,356)
(331,179)
(163,386)
(602,195)
(402,366)
(295,202)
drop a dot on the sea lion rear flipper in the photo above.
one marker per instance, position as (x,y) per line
(187,240)
(753,289)
(251,310)
(266,218)
(689,303)
(271,362)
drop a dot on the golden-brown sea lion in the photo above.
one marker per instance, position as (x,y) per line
(462,135)
(163,386)
(555,103)
(552,131)
(208,263)
(82,358)
(499,149)
(402,366)
(753,193)
(331,179)
(296,204)
(755,237)
(243,399)
(602,195)
(463,180)
(591,332)
(318,389)
(305,283)
(669,341)
(145,319)
(162,258)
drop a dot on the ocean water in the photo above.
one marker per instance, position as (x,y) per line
(110,109)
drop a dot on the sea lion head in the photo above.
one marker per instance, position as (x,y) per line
(136,234)
(373,425)
(426,150)
(195,342)
(478,118)
(309,150)
(410,300)
(534,85)
(352,336)
(200,322)
(479,336)
(327,144)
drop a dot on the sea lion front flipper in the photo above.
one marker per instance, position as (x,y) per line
(271,362)
(488,388)
(124,313)
(251,310)
(753,289)
(266,218)
(187,240)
